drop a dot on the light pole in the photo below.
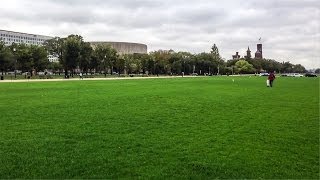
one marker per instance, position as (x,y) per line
(104,66)
(184,65)
(154,67)
(15,63)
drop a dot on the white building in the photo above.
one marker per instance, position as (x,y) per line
(10,37)
(53,58)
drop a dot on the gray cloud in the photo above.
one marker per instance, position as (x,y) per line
(289,28)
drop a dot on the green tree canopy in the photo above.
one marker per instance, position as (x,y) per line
(107,56)
(39,57)
(215,53)
(244,67)
(6,58)
(86,53)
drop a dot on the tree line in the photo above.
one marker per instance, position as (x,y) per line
(75,56)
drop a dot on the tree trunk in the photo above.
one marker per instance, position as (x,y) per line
(65,73)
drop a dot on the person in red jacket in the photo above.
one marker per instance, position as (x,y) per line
(271,78)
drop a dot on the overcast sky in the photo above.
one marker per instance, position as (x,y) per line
(289,29)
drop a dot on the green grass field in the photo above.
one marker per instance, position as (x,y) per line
(206,127)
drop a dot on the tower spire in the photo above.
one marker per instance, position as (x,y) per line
(248,56)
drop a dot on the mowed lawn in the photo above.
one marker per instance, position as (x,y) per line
(208,127)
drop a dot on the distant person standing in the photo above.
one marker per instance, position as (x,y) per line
(271,78)
(80,76)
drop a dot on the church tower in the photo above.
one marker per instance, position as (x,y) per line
(248,54)
(258,54)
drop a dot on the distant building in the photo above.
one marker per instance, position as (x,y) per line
(124,47)
(10,37)
(236,56)
(258,54)
(53,58)
(248,56)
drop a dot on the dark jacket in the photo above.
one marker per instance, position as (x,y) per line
(271,77)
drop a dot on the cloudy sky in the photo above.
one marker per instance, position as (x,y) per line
(289,29)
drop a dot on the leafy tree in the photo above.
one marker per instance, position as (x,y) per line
(120,65)
(215,53)
(131,64)
(29,58)
(100,55)
(23,57)
(244,67)
(177,67)
(317,71)
(127,61)
(71,53)
(55,47)
(55,67)
(39,58)
(177,61)
(269,65)
(257,63)
(205,63)
(287,67)
(231,62)
(217,62)
(6,58)
(107,57)
(144,58)
(85,56)
(161,61)
(139,62)
(299,68)
(209,63)
(151,65)
(94,63)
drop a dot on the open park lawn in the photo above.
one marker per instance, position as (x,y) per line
(208,127)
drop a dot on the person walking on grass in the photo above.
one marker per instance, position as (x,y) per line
(271,78)
(80,75)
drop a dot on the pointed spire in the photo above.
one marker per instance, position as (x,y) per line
(248,49)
